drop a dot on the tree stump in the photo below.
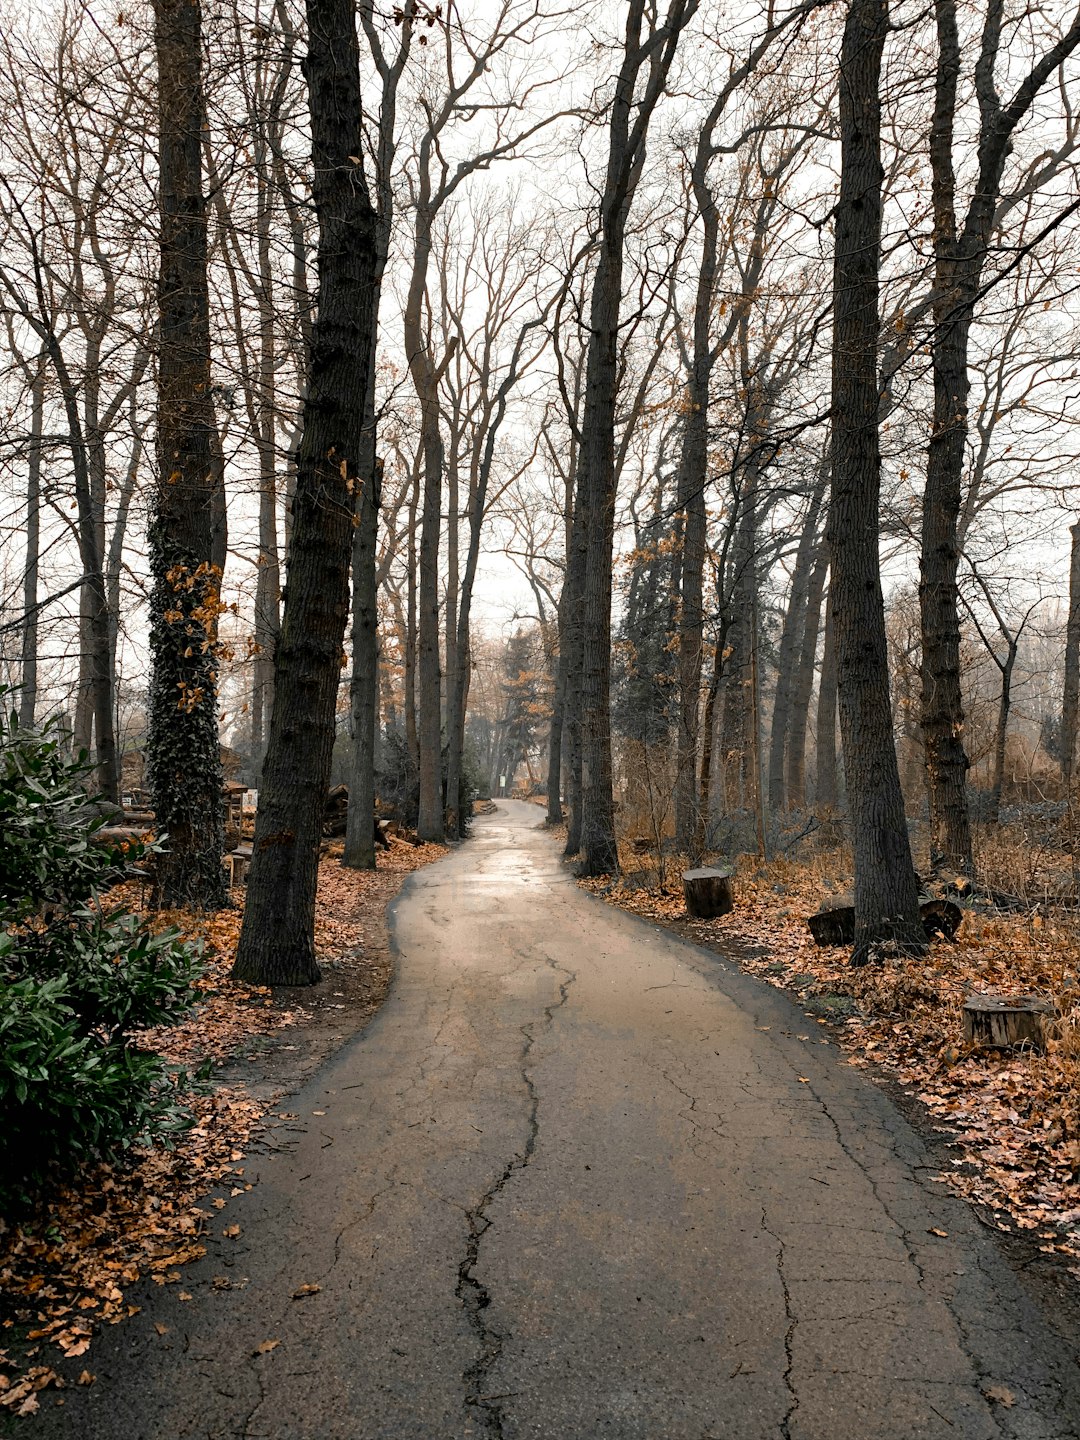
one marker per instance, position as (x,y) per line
(708,892)
(834,925)
(1000,1022)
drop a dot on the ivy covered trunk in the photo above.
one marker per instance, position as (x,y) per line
(183,757)
(886,890)
(277,944)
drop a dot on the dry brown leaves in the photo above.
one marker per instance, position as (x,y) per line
(65,1273)
(1013,1118)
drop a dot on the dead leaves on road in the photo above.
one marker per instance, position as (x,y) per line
(67,1271)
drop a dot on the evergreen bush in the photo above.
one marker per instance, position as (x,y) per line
(75,980)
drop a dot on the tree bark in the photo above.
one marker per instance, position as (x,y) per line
(960,253)
(796,621)
(803,688)
(886,890)
(28,667)
(651,54)
(1070,699)
(826,791)
(183,754)
(277,940)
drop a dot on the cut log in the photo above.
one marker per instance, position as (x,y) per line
(999,1022)
(708,892)
(836,924)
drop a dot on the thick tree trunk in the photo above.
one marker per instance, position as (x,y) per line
(886,889)
(826,790)
(942,701)
(960,252)
(596,498)
(1070,699)
(183,755)
(277,940)
(803,688)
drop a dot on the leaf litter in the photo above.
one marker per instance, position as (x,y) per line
(1012,1117)
(66,1268)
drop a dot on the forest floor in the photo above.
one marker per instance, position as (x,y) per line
(65,1271)
(1011,1119)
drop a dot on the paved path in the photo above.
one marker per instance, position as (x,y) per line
(578,1179)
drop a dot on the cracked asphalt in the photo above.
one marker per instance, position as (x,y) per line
(576,1179)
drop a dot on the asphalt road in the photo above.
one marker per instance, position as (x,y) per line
(580,1179)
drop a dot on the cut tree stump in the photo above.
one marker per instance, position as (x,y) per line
(836,925)
(1000,1022)
(708,892)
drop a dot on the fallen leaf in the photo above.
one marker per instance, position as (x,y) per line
(942,1234)
(86,1378)
(231,1231)
(266,1346)
(161,1329)
(1000,1395)
(184,1295)
(306,1290)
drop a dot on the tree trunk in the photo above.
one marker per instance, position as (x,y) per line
(796,620)
(572,655)
(412,740)
(596,498)
(803,688)
(183,755)
(630,115)
(277,940)
(886,889)
(1070,699)
(693,477)
(359,851)
(736,725)
(28,667)
(826,791)
(1001,731)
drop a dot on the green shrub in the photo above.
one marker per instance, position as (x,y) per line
(74,980)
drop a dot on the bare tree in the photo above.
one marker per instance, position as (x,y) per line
(277,942)
(886,890)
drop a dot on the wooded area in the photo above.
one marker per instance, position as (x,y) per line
(664,409)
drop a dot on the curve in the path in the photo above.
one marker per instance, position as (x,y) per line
(580,1179)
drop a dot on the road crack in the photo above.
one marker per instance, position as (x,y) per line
(789,1333)
(471,1291)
